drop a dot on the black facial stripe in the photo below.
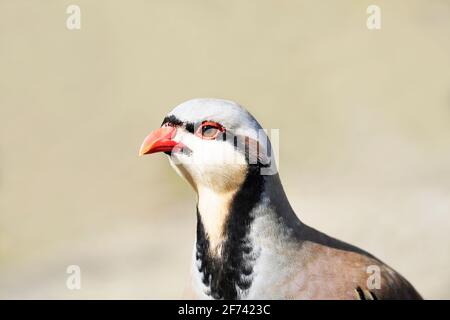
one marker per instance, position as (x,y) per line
(222,275)
(178,123)
(190,127)
(235,141)
(172,120)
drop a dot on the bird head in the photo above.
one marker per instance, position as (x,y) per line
(212,143)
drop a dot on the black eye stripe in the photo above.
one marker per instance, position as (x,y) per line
(225,136)
(190,127)
(172,120)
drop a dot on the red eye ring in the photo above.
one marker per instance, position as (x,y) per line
(209,130)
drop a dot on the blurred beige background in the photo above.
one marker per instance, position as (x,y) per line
(364,119)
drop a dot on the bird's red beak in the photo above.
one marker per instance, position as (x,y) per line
(159,140)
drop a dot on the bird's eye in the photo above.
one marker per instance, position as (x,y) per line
(209,130)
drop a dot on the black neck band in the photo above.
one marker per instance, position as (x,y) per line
(232,269)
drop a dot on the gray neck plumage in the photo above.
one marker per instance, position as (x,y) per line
(227,271)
